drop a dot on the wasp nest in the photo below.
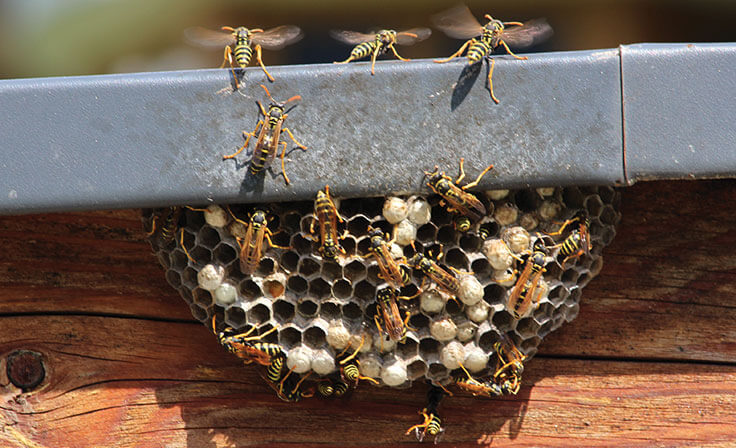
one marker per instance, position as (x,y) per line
(320,307)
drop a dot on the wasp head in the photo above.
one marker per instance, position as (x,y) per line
(494,26)
(259,217)
(386,36)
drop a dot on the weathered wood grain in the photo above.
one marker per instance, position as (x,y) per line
(650,361)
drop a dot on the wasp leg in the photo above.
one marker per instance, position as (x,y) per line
(181,241)
(373,60)
(247,140)
(291,136)
(362,340)
(457,53)
(393,49)
(490,81)
(267,235)
(350,59)
(228,57)
(562,229)
(512,24)
(260,61)
(424,425)
(522,58)
(283,163)
(480,176)
(153,227)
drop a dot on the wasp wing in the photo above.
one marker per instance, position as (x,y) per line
(412,36)
(202,37)
(531,33)
(351,37)
(279,37)
(458,22)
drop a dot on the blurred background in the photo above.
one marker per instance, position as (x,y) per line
(80,37)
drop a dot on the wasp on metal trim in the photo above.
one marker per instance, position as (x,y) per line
(459,23)
(432,424)
(455,197)
(269,130)
(326,215)
(251,248)
(241,41)
(378,43)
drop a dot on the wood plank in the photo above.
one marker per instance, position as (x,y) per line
(650,361)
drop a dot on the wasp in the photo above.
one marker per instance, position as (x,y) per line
(486,230)
(245,346)
(462,223)
(289,390)
(509,366)
(251,249)
(476,387)
(349,367)
(171,221)
(390,315)
(269,130)
(326,215)
(394,274)
(432,424)
(446,281)
(578,242)
(459,23)
(522,297)
(378,43)
(456,198)
(241,41)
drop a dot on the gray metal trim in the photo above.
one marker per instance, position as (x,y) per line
(680,110)
(152,139)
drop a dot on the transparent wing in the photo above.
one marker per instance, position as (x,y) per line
(457,22)
(203,37)
(351,37)
(531,33)
(412,36)
(279,37)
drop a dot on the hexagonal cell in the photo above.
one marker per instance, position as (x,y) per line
(352,311)
(289,337)
(429,348)
(283,310)
(453,307)
(358,226)
(573,197)
(329,310)
(289,261)
(355,271)
(470,242)
(494,294)
(235,316)
(208,237)
(527,200)
(503,320)
(178,259)
(308,267)
(301,244)
(307,307)
(298,285)
(349,245)
(290,221)
(258,314)
(266,266)
(225,254)
(314,337)
(274,286)
(250,289)
(438,371)
(594,205)
(527,327)
(365,291)
(426,233)
(331,271)
(419,321)
(373,272)
(319,288)
(529,344)
(457,259)
(440,216)
(173,278)
(416,369)
(202,298)
(342,289)
(481,269)
(201,255)
(570,276)
(446,235)
(198,312)
(487,340)
(608,216)
(281,238)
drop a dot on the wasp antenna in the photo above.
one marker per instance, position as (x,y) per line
(293,98)
(256,30)
(268,93)
(228,28)
(488,17)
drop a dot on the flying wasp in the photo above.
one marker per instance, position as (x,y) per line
(378,43)
(432,424)
(240,42)
(522,298)
(578,242)
(349,366)
(269,136)
(456,198)
(390,315)
(251,248)
(326,215)
(459,23)
(392,272)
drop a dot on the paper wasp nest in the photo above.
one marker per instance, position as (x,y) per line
(321,307)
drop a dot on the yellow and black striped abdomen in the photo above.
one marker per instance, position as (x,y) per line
(273,373)
(260,157)
(351,372)
(325,389)
(434,426)
(340,388)
(571,244)
(363,50)
(477,51)
(242,52)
